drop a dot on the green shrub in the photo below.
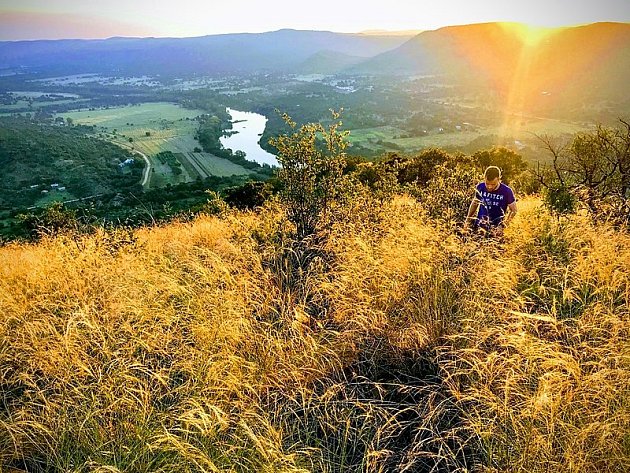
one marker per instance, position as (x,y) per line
(447,195)
(559,200)
(311,177)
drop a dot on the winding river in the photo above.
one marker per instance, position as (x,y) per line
(249,126)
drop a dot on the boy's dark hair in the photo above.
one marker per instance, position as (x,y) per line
(491,173)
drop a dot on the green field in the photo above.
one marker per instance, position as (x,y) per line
(156,127)
(199,164)
(34,95)
(521,129)
(33,106)
(368,135)
(162,120)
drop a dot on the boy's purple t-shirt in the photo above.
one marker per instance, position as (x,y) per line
(493,204)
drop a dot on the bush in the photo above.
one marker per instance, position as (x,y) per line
(559,200)
(510,162)
(53,220)
(419,168)
(248,196)
(595,169)
(447,195)
(311,177)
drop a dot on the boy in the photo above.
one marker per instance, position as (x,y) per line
(494,204)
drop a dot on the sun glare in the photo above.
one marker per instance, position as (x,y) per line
(519,88)
(529,34)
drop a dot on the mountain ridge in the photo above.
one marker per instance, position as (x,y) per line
(279,50)
(569,61)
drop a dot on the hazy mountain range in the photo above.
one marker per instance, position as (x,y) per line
(278,51)
(512,60)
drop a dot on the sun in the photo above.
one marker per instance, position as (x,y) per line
(530,35)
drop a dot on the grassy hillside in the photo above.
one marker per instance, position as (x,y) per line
(35,155)
(401,347)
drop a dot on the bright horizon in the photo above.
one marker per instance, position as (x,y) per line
(89,19)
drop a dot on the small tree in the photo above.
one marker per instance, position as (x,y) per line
(310,174)
(559,200)
(594,168)
(446,196)
(510,162)
(417,168)
(616,142)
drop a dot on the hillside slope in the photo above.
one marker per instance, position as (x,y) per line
(535,68)
(193,347)
(34,156)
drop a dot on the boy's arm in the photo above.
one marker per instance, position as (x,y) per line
(472,212)
(511,213)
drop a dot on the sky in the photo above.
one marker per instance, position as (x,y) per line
(55,19)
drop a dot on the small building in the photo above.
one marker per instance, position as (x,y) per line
(54,186)
(61,188)
(519,145)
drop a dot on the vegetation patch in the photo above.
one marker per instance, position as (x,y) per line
(40,160)
(157,128)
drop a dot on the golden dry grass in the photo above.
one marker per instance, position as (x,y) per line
(544,363)
(401,347)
